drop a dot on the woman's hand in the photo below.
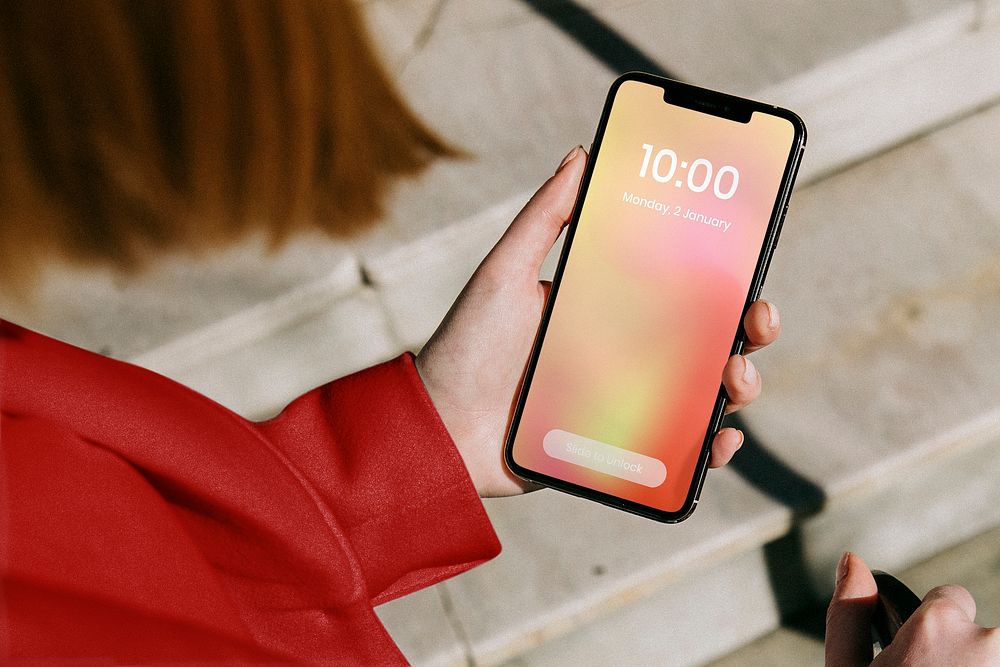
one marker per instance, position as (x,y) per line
(942,631)
(473,363)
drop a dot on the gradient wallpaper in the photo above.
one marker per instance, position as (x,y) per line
(650,299)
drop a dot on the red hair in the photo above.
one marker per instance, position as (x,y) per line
(130,127)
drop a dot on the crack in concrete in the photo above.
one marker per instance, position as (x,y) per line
(423,36)
(427,29)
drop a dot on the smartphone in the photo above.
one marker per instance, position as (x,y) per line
(678,213)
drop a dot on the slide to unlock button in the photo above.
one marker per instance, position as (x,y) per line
(602,457)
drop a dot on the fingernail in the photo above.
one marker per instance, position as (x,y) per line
(749,372)
(842,567)
(742,438)
(772,315)
(569,157)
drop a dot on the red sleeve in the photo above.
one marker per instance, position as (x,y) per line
(143,522)
(403,495)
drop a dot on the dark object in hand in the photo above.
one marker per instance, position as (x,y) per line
(896,603)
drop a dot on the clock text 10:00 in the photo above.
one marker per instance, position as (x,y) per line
(699,174)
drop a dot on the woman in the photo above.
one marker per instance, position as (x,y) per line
(143,522)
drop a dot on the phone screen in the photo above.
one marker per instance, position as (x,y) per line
(650,297)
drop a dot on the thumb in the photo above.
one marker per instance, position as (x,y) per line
(535,229)
(848,619)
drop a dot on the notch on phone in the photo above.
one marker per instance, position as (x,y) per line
(710,102)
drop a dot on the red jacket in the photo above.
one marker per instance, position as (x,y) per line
(142,522)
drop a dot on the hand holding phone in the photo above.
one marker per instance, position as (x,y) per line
(473,364)
(668,246)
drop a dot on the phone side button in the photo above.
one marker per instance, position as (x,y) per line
(781,223)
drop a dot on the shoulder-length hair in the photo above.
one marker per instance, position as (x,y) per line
(129,127)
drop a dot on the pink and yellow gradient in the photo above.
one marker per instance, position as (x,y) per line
(649,304)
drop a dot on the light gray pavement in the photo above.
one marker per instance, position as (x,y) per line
(883,390)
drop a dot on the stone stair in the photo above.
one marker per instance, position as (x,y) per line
(879,426)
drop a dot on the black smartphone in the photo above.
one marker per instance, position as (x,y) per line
(678,213)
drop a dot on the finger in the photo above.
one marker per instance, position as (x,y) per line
(535,229)
(953,596)
(742,382)
(762,324)
(848,619)
(725,444)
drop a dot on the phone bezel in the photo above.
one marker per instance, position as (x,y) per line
(694,97)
